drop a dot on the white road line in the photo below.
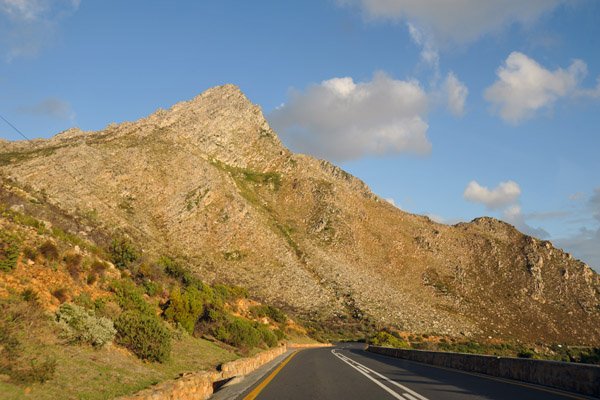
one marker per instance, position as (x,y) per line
(355,364)
(409,397)
(387,389)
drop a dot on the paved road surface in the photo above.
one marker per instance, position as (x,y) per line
(347,372)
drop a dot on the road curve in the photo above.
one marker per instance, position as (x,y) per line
(348,372)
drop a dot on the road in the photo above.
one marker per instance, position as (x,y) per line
(348,372)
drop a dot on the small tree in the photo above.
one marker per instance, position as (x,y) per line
(122,253)
(144,335)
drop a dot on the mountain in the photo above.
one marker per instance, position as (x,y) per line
(209,183)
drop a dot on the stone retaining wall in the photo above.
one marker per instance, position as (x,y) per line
(572,377)
(308,345)
(199,385)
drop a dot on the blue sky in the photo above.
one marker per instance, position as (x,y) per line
(453,109)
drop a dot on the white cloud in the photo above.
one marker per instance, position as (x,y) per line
(458,21)
(501,196)
(576,196)
(584,246)
(593,93)
(436,218)
(514,216)
(524,86)
(52,107)
(429,52)
(28,25)
(342,120)
(456,93)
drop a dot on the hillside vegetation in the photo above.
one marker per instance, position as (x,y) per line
(94,319)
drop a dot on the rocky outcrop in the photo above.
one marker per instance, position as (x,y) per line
(210,183)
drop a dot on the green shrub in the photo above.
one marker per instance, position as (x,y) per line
(526,353)
(122,253)
(30,253)
(129,297)
(279,333)
(30,295)
(82,326)
(84,301)
(152,288)
(98,267)
(227,293)
(268,337)
(49,250)
(384,339)
(239,333)
(9,251)
(268,311)
(144,335)
(171,267)
(184,309)
(73,259)
(91,278)
(107,308)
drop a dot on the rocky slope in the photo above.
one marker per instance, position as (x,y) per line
(209,182)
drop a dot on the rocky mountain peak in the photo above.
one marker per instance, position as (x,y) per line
(208,182)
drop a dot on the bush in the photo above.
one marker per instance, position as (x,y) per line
(129,296)
(105,307)
(268,337)
(184,309)
(279,333)
(49,250)
(384,339)
(73,259)
(98,267)
(84,301)
(9,251)
(91,278)
(82,326)
(30,295)
(239,333)
(144,335)
(30,253)
(122,253)
(268,311)
(526,353)
(152,288)
(171,267)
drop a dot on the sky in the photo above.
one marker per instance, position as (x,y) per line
(453,109)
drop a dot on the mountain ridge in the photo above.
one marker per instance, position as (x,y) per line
(211,183)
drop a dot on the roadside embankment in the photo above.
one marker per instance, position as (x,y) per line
(572,377)
(199,385)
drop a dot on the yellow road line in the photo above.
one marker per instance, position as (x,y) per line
(504,380)
(252,395)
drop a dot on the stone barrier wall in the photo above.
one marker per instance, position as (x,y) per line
(572,377)
(199,385)
(308,345)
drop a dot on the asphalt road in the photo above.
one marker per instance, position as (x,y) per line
(347,372)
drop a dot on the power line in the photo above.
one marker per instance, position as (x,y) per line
(12,126)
